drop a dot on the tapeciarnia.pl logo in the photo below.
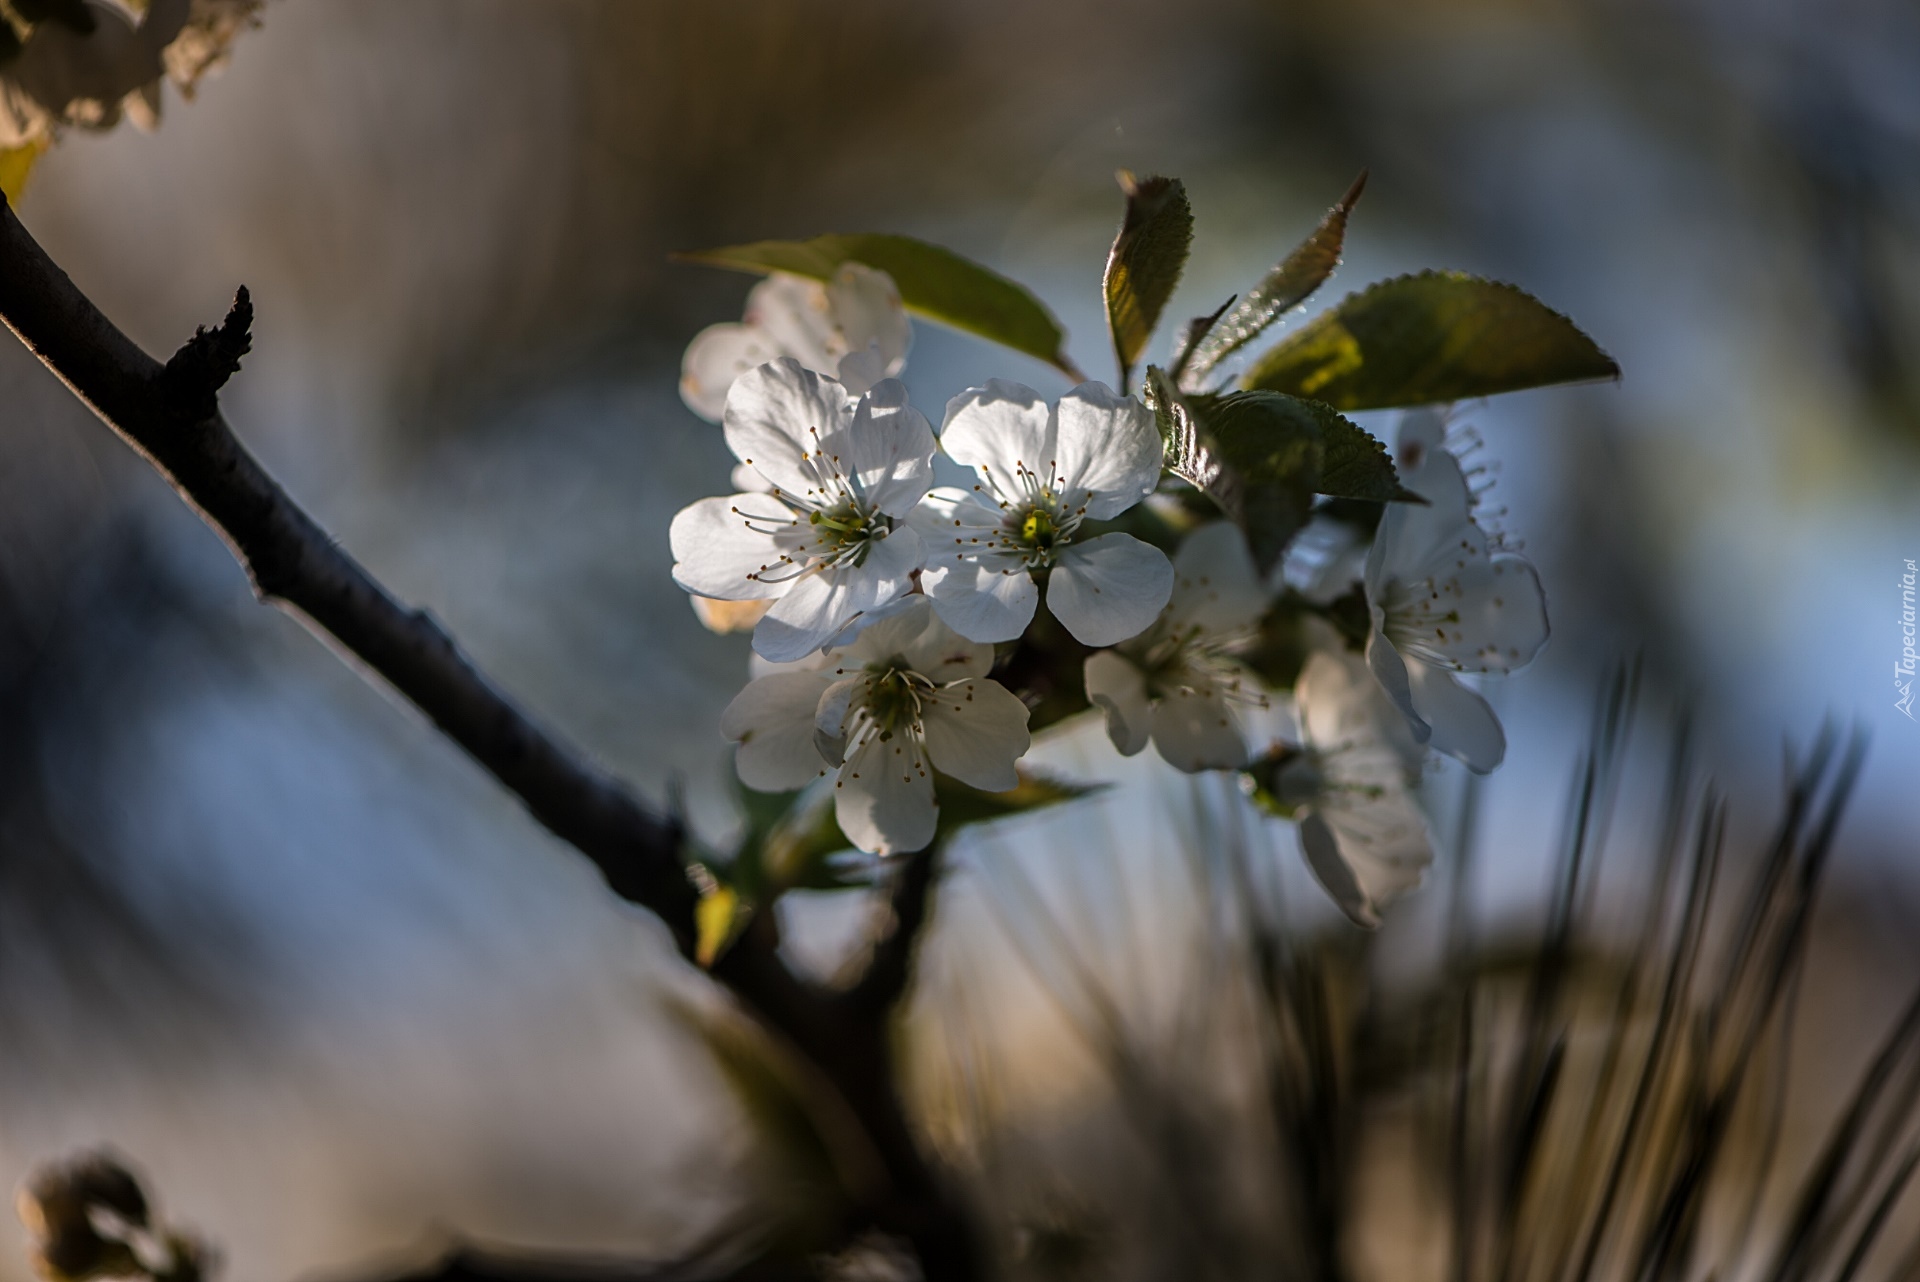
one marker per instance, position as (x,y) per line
(1903,667)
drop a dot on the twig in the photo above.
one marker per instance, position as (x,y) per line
(170,414)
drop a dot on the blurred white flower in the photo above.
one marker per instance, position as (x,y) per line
(909,696)
(853,327)
(1364,835)
(1043,471)
(1178,681)
(1443,602)
(822,540)
(86,65)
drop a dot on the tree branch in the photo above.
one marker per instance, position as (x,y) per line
(170,415)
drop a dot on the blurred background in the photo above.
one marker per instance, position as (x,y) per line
(264,932)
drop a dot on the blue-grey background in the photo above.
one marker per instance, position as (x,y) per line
(266,933)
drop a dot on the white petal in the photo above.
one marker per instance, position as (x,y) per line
(831,710)
(1194,729)
(748,481)
(858,371)
(1119,689)
(1422,431)
(939,653)
(866,309)
(908,633)
(988,599)
(1325,559)
(779,413)
(717,356)
(1416,541)
(1345,713)
(1215,585)
(884,797)
(1391,672)
(1107,445)
(1108,589)
(999,430)
(772,721)
(891,449)
(975,730)
(1463,724)
(1334,873)
(715,550)
(1489,616)
(796,315)
(819,607)
(1379,839)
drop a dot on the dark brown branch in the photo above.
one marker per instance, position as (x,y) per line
(170,415)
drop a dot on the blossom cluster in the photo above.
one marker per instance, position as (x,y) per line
(885,609)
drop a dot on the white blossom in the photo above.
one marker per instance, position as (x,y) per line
(1363,834)
(1178,682)
(1043,471)
(852,327)
(826,539)
(1444,601)
(907,697)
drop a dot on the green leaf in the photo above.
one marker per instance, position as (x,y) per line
(1145,263)
(1288,285)
(1262,456)
(962,804)
(1426,339)
(934,282)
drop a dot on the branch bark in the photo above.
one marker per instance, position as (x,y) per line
(170,414)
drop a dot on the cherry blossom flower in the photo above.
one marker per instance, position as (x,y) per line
(1363,834)
(907,697)
(826,540)
(1445,600)
(1178,681)
(1043,472)
(853,327)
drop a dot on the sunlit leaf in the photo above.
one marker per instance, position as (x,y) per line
(1288,285)
(16,163)
(1145,263)
(1262,456)
(1430,338)
(934,282)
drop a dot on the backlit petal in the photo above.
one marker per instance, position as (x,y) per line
(772,720)
(717,356)
(780,414)
(883,796)
(1119,689)
(975,730)
(1107,589)
(1215,585)
(716,552)
(819,607)
(1107,445)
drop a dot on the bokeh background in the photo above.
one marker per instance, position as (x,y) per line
(264,932)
